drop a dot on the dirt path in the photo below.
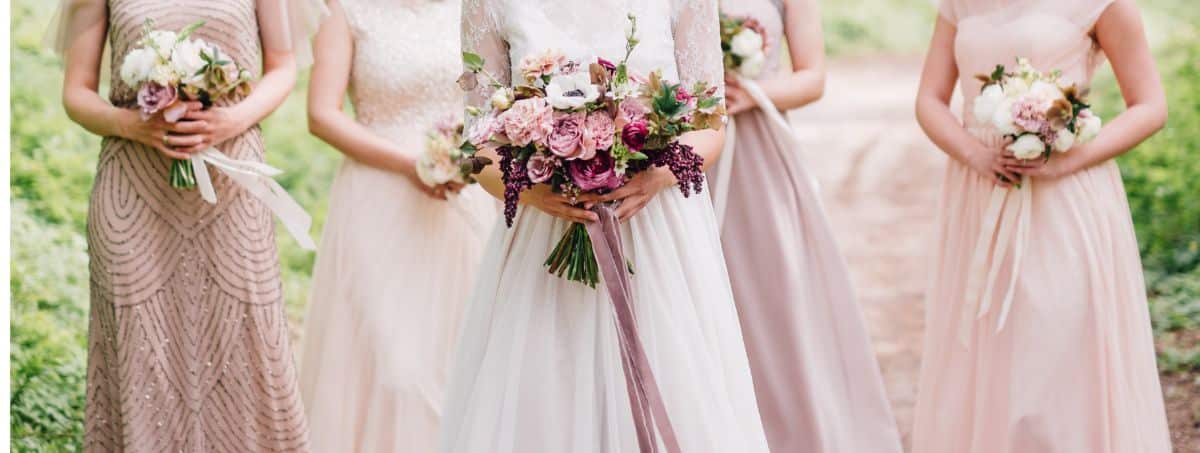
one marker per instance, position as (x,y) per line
(879,176)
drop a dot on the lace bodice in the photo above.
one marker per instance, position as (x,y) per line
(406,60)
(770,14)
(680,37)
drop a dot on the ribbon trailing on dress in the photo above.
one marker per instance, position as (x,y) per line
(779,125)
(645,399)
(1007,222)
(255,177)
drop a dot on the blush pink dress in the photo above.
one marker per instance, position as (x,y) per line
(815,375)
(1072,369)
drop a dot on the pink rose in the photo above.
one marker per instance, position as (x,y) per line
(484,129)
(564,140)
(607,65)
(598,131)
(682,95)
(540,168)
(153,98)
(533,67)
(594,174)
(634,135)
(630,111)
(528,121)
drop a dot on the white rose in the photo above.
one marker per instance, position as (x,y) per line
(746,43)
(436,165)
(1002,118)
(162,41)
(570,92)
(137,66)
(752,66)
(502,99)
(1028,146)
(1045,92)
(987,102)
(1063,141)
(164,74)
(1088,125)
(186,61)
(1015,87)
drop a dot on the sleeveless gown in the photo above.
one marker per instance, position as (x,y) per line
(188,345)
(1073,369)
(538,367)
(394,266)
(818,384)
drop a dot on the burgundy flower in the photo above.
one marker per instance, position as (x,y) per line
(540,168)
(153,98)
(634,135)
(594,174)
(607,65)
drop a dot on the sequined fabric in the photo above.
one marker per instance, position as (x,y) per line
(188,346)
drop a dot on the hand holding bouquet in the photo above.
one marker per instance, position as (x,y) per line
(744,45)
(448,158)
(168,69)
(586,127)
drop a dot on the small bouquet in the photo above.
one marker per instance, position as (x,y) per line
(168,68)
(447,157)
(744,45)
(586,128)
(1035,111)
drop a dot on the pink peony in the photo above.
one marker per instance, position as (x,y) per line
(564,140)
(630,111)
(153,98)
(484,129)
(598,131)
(540,168)
(528,121)
(595,174)
(535,66)
(1030,115)
(634,135)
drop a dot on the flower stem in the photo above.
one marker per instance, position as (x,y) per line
(182,175)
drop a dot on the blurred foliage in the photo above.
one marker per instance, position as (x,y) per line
(53,161)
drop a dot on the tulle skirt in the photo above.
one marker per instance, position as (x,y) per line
(538,369)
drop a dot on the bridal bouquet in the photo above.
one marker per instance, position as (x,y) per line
(168,68)
(1034,110)
(586,127)
(447,157)
(744,44)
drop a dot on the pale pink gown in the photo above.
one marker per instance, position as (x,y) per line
(1072,370)
(818,385)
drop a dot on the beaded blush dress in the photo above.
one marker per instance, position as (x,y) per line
(188,346)
(1072,368)
(395,266)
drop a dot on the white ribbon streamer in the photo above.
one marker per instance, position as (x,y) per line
(255,177)
(1009,224)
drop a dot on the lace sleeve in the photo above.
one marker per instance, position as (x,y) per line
(698,42)
(481,35)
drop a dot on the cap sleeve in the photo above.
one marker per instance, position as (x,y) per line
(73,17)
(289,24)
(1087,12)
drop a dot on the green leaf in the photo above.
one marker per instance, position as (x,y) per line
(638,155)
(473,62)
(998,73)
(188,30)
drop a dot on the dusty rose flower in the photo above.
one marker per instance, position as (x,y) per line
(540,168)
(1030,115)
(153,98)
(634,135)
(528,121)
(484,129)
(598,131)
(594,174)
(630,111)
(535,66)
(564,139)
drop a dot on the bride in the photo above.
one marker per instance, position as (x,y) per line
(539,366)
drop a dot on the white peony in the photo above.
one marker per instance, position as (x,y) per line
(186,61)
(746,43)
(1002,118)
(164,74)
(1015,87)
(1045,92)
(987,102)
(752,66)
(1063,141)
(570,92)
(1088,125)
(436,165)
(1028,146)
(502,99)
(163,42)
(138,65)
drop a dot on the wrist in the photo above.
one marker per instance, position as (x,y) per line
(123,123)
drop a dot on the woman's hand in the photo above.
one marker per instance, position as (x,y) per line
(737,100)
(205,128)
(157,133)
(558,205)
(438,192)
(994,164)
(1057,166)
(638,192)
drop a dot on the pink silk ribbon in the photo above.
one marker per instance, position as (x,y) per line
(645,399)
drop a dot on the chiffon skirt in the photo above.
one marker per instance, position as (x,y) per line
(818,384)
(392,274)
(1073,369)
(539,369)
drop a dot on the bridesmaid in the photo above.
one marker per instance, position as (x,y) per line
(1072,369)
(394,267)
(815,375)
(188,344)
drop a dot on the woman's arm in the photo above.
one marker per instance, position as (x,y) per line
(1120,33)
(938,79)
(806,47)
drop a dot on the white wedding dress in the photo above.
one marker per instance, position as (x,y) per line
(538,367)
